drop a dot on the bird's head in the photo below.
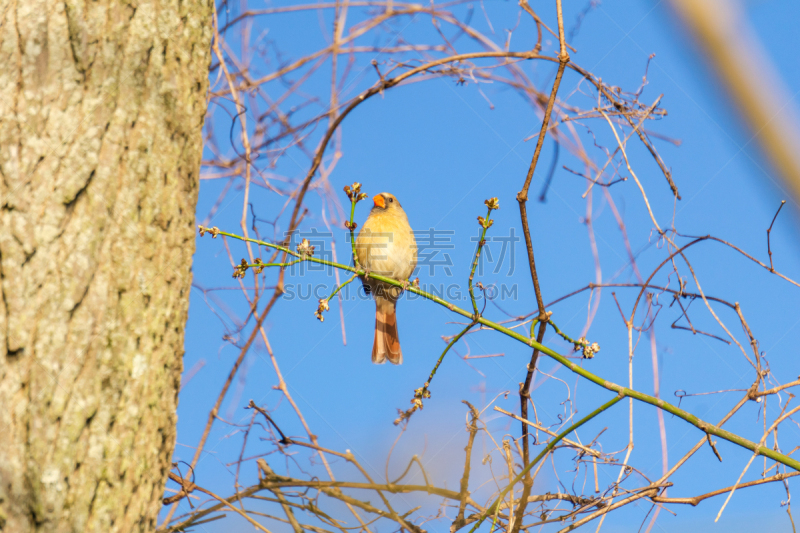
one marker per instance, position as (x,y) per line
(386,202)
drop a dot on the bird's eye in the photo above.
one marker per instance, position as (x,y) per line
(391,199)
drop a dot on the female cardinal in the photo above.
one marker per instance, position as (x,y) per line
(386,246)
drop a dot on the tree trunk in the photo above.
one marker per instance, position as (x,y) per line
(101,111)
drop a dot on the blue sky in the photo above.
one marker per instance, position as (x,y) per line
(442,149)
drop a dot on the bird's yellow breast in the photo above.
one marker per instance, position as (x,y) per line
(386,245)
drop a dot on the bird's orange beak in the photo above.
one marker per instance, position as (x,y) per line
(379,201)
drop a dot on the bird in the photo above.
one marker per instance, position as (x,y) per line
(386,246)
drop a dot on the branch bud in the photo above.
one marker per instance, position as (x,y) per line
(352,192)
(213,231)
(323,306)
(492,203)
(240,269)
(305,248)
(485,223)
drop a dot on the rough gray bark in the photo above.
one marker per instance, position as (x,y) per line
(101,110)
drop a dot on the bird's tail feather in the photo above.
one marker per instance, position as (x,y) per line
(387,341)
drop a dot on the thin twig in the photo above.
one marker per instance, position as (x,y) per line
(769,230)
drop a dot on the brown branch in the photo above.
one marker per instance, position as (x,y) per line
(574,500)
(522,199)
(279,482)
(713,446)
(769,230)
(472,427)
(776,389)
(227,504)
(697,331)
(643,137)
(366,506)
(589,451)
(680,293)
(697,499)
(187,487)
(264,467)
(212,415)
(524,5)
(605,510)
(753,341)
(726,243)
(349,457)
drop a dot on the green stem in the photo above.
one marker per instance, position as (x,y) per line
(624,391)
(422,393)
(481,242)
(353,201)
(565,336)
(533,325)
(552,444)
(337,289)
(447,349)
(261,265)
